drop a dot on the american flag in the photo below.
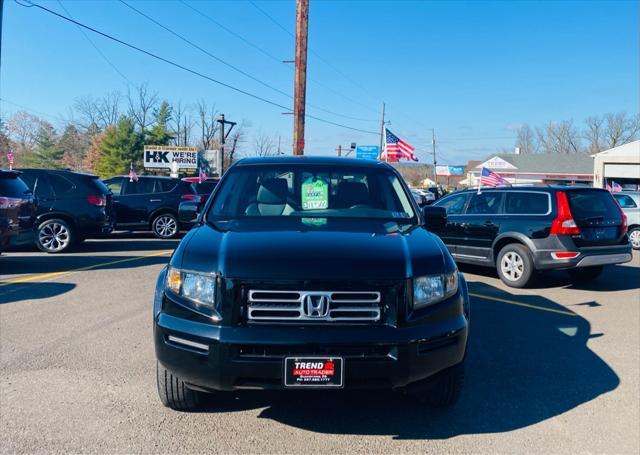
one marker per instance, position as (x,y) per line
(616,187)
(202,175)
(490,178)
(396,149)
(133,177)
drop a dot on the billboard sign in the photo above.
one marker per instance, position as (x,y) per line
(368,152)
(161,157)
(449,170)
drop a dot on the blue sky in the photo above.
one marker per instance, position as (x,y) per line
(474,71)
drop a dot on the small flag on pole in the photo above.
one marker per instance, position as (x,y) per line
(396,149)
(202,175)
(133,177)
(10,159)
(608,187)
(490,178)
(616,187)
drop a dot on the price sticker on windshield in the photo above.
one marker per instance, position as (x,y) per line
(315,194)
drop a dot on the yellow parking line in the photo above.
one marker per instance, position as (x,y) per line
(46,276)
(526,305)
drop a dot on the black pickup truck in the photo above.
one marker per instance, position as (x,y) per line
(309,272)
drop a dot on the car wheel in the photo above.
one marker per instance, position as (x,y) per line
(634,238)
(55,236)
(173,391)
(165,226)
(585,273)
(515,266)
(441,390)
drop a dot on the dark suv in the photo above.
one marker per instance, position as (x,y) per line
(17,211)
(72,206)
(309,272)
(522,230)
(150,203)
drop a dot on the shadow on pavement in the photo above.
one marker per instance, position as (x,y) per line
(33,291)
(613,278)
(17,265)
(524,366)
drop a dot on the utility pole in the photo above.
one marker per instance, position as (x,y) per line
(435,163)
(223,139)
(279,152)
(382,133)
(340,150)
(300,79)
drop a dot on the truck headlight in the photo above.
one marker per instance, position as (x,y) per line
(197,288)
(431,289)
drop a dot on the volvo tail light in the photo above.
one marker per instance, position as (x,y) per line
(625,226)
(97,200)
(564,222)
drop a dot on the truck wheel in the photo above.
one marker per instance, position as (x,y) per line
(55,236)
(173,392)
(585,273)
(442,390)
(515,266)
(165,226)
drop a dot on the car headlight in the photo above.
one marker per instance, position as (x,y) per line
(197,288)
(431,289)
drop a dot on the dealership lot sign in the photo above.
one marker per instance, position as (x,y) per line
(161,157)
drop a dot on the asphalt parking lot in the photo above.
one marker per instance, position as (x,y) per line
(551,369)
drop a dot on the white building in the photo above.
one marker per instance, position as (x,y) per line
(620,164)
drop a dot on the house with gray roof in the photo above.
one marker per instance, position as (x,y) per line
(537,168)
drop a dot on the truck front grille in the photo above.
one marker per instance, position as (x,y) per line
(313,306)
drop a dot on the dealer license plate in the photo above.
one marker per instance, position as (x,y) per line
(313,371)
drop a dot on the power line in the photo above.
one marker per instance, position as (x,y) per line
(190,70)
(316,54)
(28,109)
(235,68)
(279,61)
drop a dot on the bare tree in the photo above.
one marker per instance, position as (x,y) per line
(559,137)
(526,140)
(207,125)
(237,137)
(141,105)
(593,134)
(97,114)
(22,128)
(620,129)
(263,145)
(181,125)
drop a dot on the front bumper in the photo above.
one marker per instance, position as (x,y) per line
(227,358)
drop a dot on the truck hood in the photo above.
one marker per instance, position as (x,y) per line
(335,250)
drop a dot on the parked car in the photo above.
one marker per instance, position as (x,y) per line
(150,203)
(311,273)
(17,211)
(203,189)
(523,230)
(630,203)
(72,206)
(425,196)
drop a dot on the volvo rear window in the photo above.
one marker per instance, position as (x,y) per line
(592,205)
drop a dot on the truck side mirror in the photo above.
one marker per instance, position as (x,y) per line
(435,218)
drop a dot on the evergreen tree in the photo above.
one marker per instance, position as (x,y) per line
(160,134)
(47,153)
(120,146)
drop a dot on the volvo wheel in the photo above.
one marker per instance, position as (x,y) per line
(634,238)
(515,266)
(54,236)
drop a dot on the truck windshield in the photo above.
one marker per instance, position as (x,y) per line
(299,190)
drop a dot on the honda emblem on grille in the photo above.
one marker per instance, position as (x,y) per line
(316,305)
